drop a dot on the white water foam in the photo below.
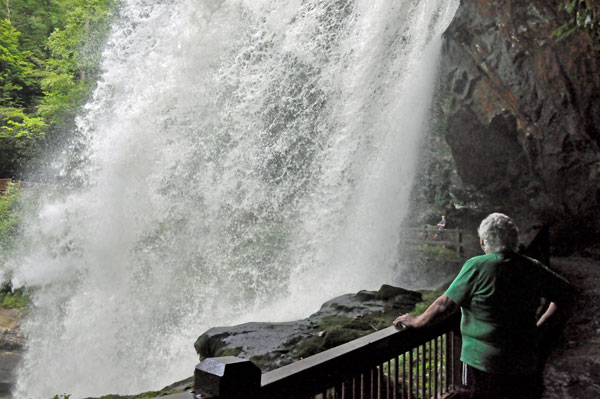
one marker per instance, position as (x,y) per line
(240,160)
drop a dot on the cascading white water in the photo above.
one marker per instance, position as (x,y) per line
(240,160)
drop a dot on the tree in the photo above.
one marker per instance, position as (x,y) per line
(19,84)
(72,68)
(49,57)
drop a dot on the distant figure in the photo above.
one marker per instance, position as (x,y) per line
(498,294)
(442,224)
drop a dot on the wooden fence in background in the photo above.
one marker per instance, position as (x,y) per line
(432,235)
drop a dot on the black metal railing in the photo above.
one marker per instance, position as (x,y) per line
(388,364)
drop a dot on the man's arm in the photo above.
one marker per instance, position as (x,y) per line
(561,295)
(547,314)
(551,323)
(439,310)
(557,312)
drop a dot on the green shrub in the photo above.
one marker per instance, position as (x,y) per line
(428,298)
(17,299)
(10,217)
(583,15)
(10,223)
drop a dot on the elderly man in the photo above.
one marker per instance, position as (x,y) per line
(498,294)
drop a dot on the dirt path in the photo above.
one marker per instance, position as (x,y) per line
(573,369)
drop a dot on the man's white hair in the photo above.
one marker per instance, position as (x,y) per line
(499,233)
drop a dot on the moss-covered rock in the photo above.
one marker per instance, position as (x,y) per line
(308,347)
(340,320)
(177,387)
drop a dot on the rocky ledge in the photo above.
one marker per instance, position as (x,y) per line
(340,320)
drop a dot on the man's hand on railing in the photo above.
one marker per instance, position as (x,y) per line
(440,309)
(404,321)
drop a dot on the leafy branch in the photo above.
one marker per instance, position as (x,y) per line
(583,15)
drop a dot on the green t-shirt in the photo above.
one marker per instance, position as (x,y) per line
(499,294)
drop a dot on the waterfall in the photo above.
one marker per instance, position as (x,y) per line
(239,160)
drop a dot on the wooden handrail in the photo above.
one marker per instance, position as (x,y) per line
(316,373)
(326,370)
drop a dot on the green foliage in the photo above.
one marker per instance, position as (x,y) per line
(10,217)
(19,84)
(428,253)
(14,299)
(439,253)
(309,346)
(11,213)
(62,396)
(428,298)
(72,67)
(14,205)
(17,72)
(151,394)
(17,123)
(583,15)
(49,57)
(337,330)
(429,265)
(334,322)
(35,19)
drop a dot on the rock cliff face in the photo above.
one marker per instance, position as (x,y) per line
(522,115)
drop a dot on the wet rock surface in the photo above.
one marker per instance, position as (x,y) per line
(340,320)
(11,347)
(522,114)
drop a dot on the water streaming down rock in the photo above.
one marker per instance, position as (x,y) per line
(240,160)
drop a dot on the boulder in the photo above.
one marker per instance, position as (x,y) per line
(340,320)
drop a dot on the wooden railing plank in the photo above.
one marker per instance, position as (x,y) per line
(353,370)
(314,374)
